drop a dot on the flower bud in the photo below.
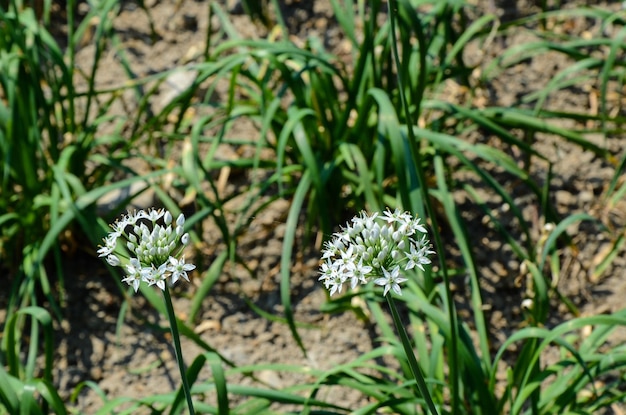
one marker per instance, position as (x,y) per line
(396,236)
(375,232)
(171,246)
(113,260)
(365,236)
(144,232)
(385,231)
(168,217)
(381,255)
(180,221)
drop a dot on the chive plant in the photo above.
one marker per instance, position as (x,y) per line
(357,132)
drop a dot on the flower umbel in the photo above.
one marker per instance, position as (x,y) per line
(375,247)
(154,249)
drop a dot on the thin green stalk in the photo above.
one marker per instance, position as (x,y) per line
(453,360)
(179,355)
(410,356)
(71,53)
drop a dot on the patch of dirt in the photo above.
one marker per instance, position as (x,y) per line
(137,359)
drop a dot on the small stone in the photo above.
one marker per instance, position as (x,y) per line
(563,197)
(585,196)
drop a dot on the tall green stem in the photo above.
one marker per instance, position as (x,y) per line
(179,355)
(453,358)
(410,355)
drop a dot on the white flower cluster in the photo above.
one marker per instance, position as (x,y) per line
(375,247)
(153,250)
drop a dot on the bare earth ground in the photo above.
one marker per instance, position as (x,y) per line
(140,362)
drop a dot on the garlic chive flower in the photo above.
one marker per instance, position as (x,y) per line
(375,248)
(152,251)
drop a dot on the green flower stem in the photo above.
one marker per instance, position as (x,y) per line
(453,354)
(179,355)
(410,355)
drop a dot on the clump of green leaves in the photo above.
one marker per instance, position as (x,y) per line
(50,177)
(45,146)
